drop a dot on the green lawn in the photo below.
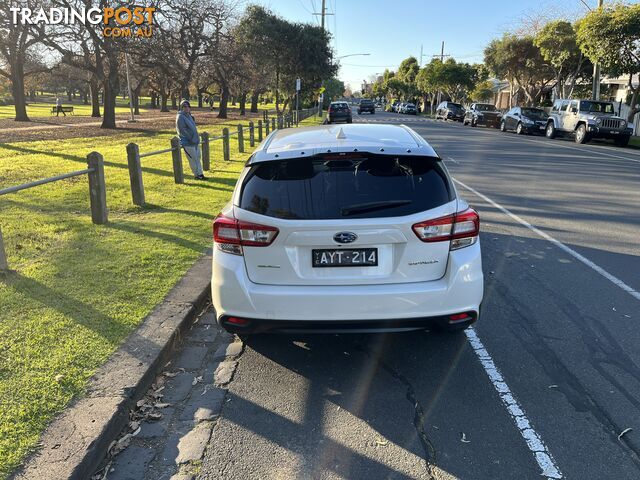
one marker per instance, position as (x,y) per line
(79,289)
(39,110)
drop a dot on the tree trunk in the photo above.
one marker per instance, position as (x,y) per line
(69,96)
(136,99)
(224,101)
(94,89)
(255,96)
(111,87)
(17,90)
(200,98)
(174,102)
(163,102)
(634,102)
(243,103)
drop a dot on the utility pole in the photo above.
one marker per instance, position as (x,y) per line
(322,14)
(442,55)
(421,55)
(595,91)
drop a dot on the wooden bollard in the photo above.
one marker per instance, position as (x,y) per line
(206,155)
(176,155)
(240,139)
(259,130)
(4,265)
(252,138)
(225,144)
(135,174)
(97,189)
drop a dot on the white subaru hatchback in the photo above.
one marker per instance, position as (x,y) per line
(346,228)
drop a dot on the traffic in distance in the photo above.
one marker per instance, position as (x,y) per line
(583,120)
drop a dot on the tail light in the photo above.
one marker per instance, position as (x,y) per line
(230,234)
(461,229)
(330,110)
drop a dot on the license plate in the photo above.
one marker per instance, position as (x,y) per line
(613,132)
(356,257)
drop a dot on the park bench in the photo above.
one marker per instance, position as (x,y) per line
(54,110)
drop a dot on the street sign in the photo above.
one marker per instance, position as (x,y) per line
(321,90)
(297,84)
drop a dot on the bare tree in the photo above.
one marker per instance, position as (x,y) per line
(84,46)
(17,43)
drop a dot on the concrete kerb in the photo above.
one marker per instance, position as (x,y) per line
(78,439)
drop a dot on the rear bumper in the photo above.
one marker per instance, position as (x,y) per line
(339,117)
(459,290)
(262,325)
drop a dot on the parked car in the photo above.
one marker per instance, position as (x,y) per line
(339,111)
(400,107)
(366,105)
(524,120)
(587,119)
(350,228)
(410,109)
(482,114)
(450,111)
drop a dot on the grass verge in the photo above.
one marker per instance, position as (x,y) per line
(77,289)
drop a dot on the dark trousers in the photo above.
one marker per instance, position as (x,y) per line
(58,110)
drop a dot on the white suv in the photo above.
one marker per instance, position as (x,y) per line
(351,228)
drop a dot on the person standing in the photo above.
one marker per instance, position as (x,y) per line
(189,138)
(59,107)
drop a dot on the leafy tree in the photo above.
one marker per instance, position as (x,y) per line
(333,89)
(275,44)
(428,81)
(557,42)
(408,70)
(456,79)
(483,91)
(611,37)
(518,60)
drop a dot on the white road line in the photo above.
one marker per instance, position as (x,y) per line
(613,279)
(453,160)
(534,443)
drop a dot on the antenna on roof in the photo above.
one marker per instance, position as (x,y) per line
(340,134)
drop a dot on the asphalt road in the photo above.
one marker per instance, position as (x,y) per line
(541,387)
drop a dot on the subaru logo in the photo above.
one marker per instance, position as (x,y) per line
(345,237)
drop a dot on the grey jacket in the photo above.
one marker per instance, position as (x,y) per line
(187,130)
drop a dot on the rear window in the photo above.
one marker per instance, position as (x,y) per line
(333,188)
(339,106)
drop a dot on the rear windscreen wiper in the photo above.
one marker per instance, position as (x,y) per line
(371,206)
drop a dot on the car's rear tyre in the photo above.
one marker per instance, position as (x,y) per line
(581,134)
(349,120)
(503,126)
(520,128)
(550,131)
(622,141)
